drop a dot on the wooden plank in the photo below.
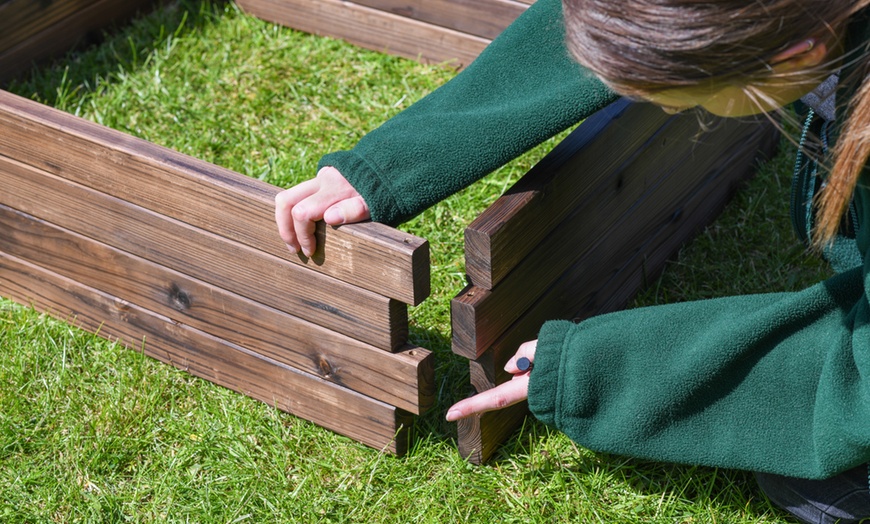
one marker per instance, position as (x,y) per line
(32,30)
(256,275)
(622,269)
(21,19)
(479,316)
(371,256)
(484,18)
(368,421)
(371,29)
(404,379)
(517,222)
(480,437)
(605,281)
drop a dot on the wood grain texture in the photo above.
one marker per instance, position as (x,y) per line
(368,421)
(630,267)
(371,256)
(678,195)
(403,379)
(619,202)
(482,436)
(371,28)
(484,18)
(317,298)
(32,30)
(517,222)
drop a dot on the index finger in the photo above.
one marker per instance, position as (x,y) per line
(507,394)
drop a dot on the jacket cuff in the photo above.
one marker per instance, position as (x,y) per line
(365,180)
(544,380)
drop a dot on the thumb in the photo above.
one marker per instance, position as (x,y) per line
(347,211)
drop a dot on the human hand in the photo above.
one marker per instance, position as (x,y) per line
(504,395)
(328,197)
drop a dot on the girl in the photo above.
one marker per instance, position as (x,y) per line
(774,383)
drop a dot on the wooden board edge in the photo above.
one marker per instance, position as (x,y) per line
(480,438)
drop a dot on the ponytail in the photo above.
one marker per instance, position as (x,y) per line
(850,156)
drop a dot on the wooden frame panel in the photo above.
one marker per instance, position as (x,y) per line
(372,28)
(32,30)
(393,378)
(139,242)
(484,18)
(624,218)
(339,409)
(206,196)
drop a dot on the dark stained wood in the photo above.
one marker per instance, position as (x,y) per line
(478,441)
(484,18)
(482,436)
(516,223)
(371,256)
(371,28)
(368,421)
(32,30)
(618,204)
(640,264)
(294,289)
(21,19)
(618,258)
(403,379)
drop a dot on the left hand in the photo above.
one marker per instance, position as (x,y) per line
(504,395)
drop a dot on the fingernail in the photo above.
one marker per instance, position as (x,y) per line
(292,248)
(453,414)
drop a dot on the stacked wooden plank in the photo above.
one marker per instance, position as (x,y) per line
(585,229)
(180,259)
(32,30)
(450,31)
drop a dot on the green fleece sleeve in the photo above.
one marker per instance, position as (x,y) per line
(772,382)
(523,89)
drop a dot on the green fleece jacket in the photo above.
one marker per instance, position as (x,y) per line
(775,382)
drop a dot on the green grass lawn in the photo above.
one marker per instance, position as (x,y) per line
(93,432)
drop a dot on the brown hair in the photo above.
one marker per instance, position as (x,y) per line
(640,47)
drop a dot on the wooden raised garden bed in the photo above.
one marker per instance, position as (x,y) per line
(180,258)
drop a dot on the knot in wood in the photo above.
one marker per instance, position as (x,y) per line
(178,298)
(325,367)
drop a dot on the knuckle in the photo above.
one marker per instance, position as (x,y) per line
(500,401)
(300,213)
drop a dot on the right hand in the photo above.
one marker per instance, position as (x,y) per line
(328,197)
(507,394)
